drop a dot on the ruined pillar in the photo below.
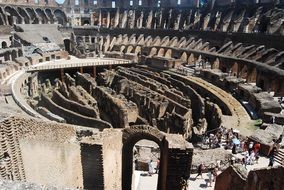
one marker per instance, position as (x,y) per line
(94,71)
(62,75)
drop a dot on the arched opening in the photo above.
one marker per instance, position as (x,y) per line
(42,15)
(86,22)
(13,16)
(61,17)
(131,137)
(4,44)
(146,162)
(24,14)
(67,45)
(32,15)
(14,55)
(7,56)
(49,15)
(20,53)
(261,84)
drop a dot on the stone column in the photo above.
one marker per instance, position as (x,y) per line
(62,75)
(94,71)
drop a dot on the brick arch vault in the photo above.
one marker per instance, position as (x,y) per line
(130,137)
(175,160)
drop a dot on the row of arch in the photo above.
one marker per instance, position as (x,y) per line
(241,68)
(26,15)
(10,54)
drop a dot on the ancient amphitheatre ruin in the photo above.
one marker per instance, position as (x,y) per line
(84,84)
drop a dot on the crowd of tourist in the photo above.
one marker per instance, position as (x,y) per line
(230,139)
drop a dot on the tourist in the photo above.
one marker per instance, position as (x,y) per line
(278,142)
(272,156)
(211,140)
(200,170)
(158,166)
(218,164)
(151,168)
(184,182)
(272,119)
(244,161)
(219,137)
(232,161)
(252,158)
(256,157)
(256,147)
(215,173)
(234,151)
(250,148)
(211,171)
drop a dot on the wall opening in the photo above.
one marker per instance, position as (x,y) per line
(67,45)
(113,4)
(130,138)
(4,44)
(146,162)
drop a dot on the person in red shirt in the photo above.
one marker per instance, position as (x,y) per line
(158,166)
(256,147)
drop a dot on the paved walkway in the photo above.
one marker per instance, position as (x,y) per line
(142,181)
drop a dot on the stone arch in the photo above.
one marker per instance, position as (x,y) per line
(191,59)
(129,49)
(244,72)
(50,15)
(168,53)
(251,74)
(153,52)
(7,56)
(67,45)
(2,17)
(4,44)
(122,48)
(20,53)
(183,57)
(130,137)
(33,16)
(14,54)
(42,15)
(161,52)
(24,14)
(137,50)
(11,14)
(61,17)
(215,64)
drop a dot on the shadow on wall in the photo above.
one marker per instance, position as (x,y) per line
(92,164)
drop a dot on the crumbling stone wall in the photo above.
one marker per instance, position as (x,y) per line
(116,108)
(72,117)
(74,106)
(236,177)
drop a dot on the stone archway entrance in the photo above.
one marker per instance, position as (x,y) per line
(67,45)
(176,155)
(130,137)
